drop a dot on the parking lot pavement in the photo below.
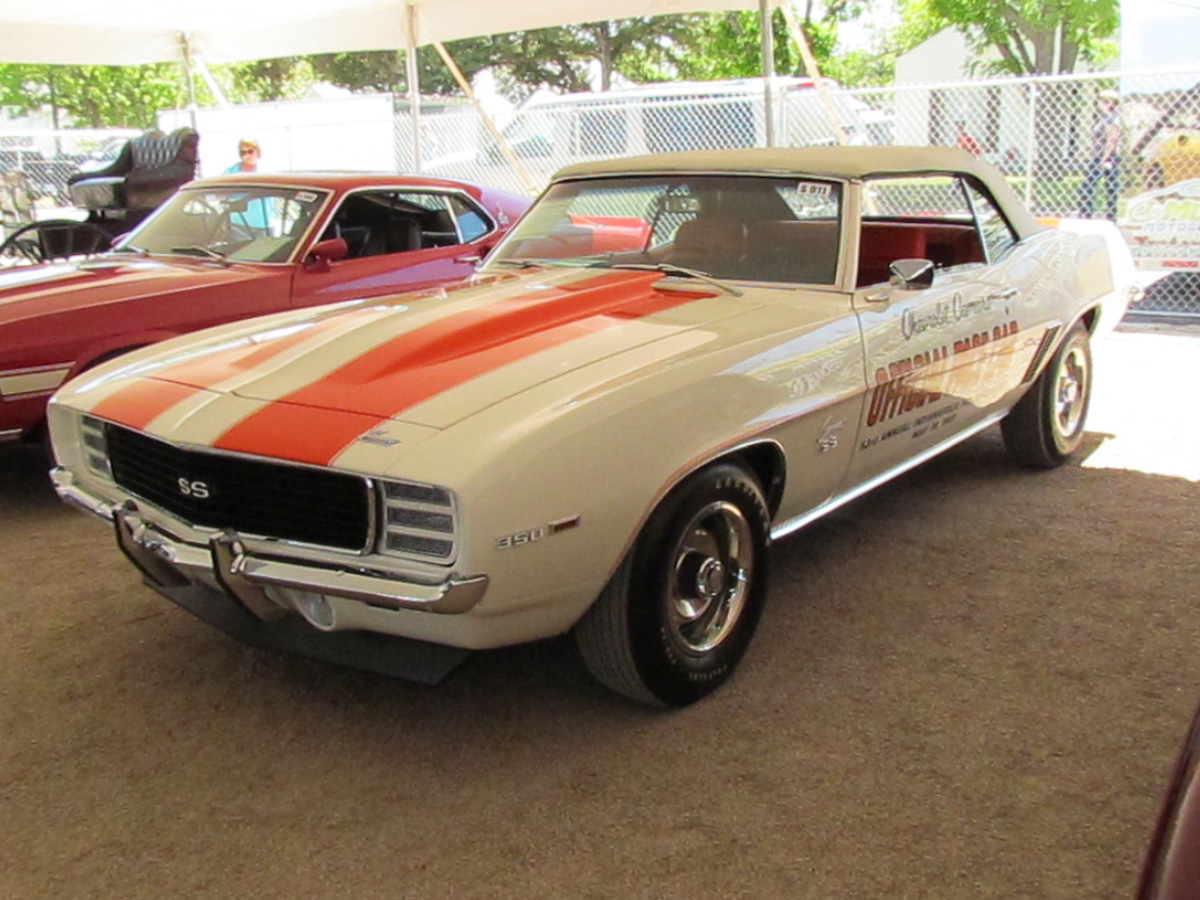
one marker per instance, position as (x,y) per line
(1142,402)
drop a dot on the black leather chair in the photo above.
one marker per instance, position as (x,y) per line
(148,169)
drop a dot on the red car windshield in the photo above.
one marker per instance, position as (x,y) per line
(240,224)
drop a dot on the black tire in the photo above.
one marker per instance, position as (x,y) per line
(1047,424)
(679,613)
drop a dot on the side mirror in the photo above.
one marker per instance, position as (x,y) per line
(477,257)
(911,274)
(325,252)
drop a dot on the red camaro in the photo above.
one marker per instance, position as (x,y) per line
(229,248)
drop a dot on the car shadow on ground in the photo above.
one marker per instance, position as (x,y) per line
(24,477)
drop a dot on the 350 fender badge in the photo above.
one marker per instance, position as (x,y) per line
(532,535)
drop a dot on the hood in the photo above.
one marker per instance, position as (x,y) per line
(428,359)
(38,290)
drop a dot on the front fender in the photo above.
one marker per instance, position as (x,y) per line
(116,345)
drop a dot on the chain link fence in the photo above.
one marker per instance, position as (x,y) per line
(35,166)
(1048,135)
(1123,146)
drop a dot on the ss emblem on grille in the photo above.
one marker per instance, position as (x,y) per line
(197,489)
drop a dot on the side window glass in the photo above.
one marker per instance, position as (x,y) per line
(471,223)
(994,230)
(359,221)
(922,217)
(379,222)
(422,220)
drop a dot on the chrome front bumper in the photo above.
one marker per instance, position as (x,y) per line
(254,577)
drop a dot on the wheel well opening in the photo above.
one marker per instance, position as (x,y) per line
(1091,319)
(766,462)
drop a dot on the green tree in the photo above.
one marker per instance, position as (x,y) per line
(93,96)
(265,80)
(384,71)
(695,47)
(1032,37)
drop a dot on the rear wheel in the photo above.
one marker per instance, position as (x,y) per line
(679,613)
(1047,425)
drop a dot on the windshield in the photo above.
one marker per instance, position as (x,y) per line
(725,226)
(239,224)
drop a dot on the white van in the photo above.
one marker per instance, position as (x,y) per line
(549,132)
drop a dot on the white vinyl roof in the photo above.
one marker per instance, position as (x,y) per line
(132,32)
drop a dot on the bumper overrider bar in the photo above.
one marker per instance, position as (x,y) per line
(184,572)
(167,560)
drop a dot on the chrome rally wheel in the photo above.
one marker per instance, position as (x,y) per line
(1047,425)
(679,613)
(712,574)
(1071,383)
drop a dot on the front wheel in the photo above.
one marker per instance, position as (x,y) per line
(1046,425)
(679,613)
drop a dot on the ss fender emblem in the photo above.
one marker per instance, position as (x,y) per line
(197,489)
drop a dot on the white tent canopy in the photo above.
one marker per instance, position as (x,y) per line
(132,32)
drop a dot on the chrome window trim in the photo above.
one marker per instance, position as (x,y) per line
(843,223)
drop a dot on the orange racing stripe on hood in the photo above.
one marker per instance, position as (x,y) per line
(146,399)
(138,408)
(412,367)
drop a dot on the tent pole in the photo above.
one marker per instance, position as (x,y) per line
(207,76)
(488,122)
(414,82)
(768,68)
(814,72)
(185,48)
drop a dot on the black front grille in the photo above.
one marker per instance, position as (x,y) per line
(253,497)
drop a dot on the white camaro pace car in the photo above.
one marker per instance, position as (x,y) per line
(669,362)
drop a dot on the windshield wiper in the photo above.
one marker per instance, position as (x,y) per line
(130,248)
(520,263)
(681,272)
(198,250)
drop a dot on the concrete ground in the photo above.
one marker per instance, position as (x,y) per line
(970,684)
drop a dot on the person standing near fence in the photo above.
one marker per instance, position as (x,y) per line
(1105,162)
(248,154)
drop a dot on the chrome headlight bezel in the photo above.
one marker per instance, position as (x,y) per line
(93,447)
